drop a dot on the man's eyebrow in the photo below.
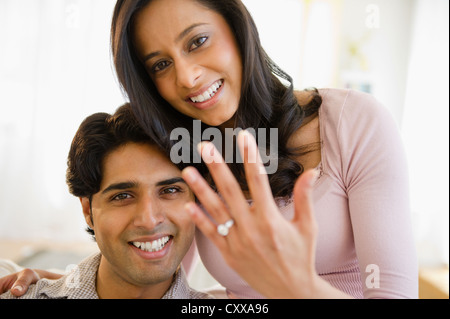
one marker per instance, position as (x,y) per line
(178,39)
(120,186)
(171,181)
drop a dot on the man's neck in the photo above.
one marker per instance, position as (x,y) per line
(110,285)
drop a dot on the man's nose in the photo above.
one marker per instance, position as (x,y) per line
(148,214)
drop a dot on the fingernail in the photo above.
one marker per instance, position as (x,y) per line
(17,288)
(199,148)
(190,208)
(245,136)
(189,175)
(209,153)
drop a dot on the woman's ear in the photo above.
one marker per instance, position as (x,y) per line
(86,206)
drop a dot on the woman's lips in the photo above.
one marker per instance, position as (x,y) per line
(209,96)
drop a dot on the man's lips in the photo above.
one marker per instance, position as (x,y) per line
(150,244)
(154,249)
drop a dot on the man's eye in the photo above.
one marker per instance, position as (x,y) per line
(121,196)
(170,190)
(198,42)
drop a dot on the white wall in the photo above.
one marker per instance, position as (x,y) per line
(382,28)
(426,129)
(311,40)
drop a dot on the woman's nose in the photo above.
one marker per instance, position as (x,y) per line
(187,74)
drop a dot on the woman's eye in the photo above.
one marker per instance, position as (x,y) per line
(160,66)
(198,42)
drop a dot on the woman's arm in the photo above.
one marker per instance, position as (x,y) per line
(20,281)
(375,174)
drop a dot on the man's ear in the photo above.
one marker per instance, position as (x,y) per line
(86,206)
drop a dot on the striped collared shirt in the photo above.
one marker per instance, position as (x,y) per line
(80,283)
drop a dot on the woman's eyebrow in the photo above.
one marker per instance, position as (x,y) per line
(187,30)
(178,39)
(151,55)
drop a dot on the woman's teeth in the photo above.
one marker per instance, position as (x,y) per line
(152,246)
(209,93)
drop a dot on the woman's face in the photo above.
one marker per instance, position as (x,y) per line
(192,56)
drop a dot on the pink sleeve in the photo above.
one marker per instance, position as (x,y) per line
(376,176)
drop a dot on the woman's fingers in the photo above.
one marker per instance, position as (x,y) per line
(225,181)
(303,212)
(256,175)
(209,199)
(6,282)
(227,184)
(206,226)
(24,279)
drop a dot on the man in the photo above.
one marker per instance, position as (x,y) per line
(132,198)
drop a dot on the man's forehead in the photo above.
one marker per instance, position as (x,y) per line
(138,163)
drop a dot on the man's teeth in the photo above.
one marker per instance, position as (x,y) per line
(152,246)
(209,93)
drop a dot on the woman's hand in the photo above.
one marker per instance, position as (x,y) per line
(20,281)
(275,256)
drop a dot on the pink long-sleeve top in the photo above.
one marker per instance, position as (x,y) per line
(365,245)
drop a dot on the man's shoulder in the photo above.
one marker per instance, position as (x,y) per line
(34,291)
(79,283)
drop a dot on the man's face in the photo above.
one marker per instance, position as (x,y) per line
(138,216)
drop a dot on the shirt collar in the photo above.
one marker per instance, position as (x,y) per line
(179,289)
(80,283)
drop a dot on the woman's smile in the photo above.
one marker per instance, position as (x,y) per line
(207,98)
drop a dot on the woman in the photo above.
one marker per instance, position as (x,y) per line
(344,233)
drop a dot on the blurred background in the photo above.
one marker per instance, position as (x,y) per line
(55,69)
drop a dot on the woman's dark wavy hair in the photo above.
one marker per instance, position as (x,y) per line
(98,135)
(265,101)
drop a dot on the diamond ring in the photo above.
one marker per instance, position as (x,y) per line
(223,229)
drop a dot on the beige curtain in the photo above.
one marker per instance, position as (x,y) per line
(54,71)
